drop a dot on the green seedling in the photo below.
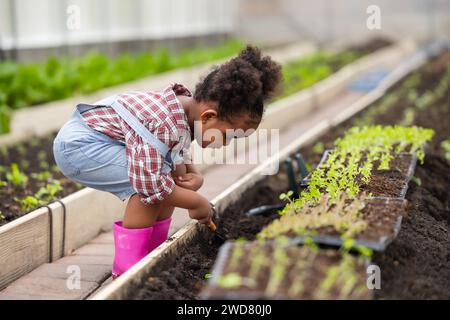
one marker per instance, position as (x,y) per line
(49,192)
(43,165)
(417,181)
(42,176)
(446,147)
(237,253)
(29,203)
(287,196)
(16,177)
(318,148)
(230,281)
(24,164)
(341,215)
(21,149)
(42,197)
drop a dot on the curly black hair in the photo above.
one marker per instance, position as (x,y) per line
(241,85)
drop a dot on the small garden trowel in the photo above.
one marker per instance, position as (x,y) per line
(218,238)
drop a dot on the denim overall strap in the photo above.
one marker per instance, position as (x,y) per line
(138,127)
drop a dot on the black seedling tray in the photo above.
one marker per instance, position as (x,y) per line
(336,241)
(305,181)
(219,265)
(409,174)
(209,291)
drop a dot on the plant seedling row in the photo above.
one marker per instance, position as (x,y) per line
(382,215)
(409,161)
(254,270)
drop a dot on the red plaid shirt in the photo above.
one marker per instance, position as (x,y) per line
(164,116)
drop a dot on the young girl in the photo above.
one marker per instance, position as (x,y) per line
(135,145)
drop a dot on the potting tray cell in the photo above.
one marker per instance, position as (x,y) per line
(384,183)
(270,271)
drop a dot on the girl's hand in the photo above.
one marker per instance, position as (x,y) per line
(180,169)
(191,181)
(203,212)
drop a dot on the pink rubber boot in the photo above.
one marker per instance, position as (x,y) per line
(131,245)
(160,232)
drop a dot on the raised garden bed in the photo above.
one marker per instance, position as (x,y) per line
(181,275)
(413,266)
(280,270)
(29,178)
(367,162)
(199,255)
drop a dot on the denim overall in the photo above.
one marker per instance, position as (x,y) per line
(96,160)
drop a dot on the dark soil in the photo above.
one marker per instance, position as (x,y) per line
(381,216)
(416,264)
(310,275)
(33,156)
(392,182)
(181,276)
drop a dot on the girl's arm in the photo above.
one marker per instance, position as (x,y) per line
(198,206)
(190,168)
(192,180)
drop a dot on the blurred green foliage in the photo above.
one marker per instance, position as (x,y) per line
(313,68)
(26,84)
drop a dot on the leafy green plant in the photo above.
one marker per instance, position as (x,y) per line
(42,176)
(446,146)
(5,118)
(342,216)
(230,280)
(318,147)
(288,268)
(43,196)
(351,162)
(287,196)
(49,192)
(26,84)
(417,180)
(313,68)
(237,253)
(29,203)
(16,177)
